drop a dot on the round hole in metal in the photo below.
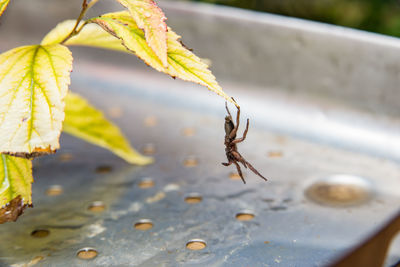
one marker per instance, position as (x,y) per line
(275,154)
(146,183)
(234,176)
(114,112)
(87,253)
(196,244)
(40,233)
(103,169)
(97,206)
(54,190)
(144,225)
(340,190)
(149,149)
(245,215)
(64,157)
(193,198)
(150,121)
(188,131)
(190,161)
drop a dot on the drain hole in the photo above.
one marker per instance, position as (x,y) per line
(40,233)
(114,112)
(54,190)
(193,198)
(87,253)
(97,206)
(149,149)
(190,161)
(150,121)
(146,183)
(278,208)
(103,169)
(340,190)
(234,176)
(144,225)
(245,215)
(65,157)
(275,154)
(196,244)
(188,131)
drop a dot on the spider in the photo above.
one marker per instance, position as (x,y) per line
(231,144)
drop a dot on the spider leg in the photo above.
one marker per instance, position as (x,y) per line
(237,117)
(226,164)
(233,133)
(233,100)
(239,158)
(255,171)
(238,140)
(239,171)
(226,106)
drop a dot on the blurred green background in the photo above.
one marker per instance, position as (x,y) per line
(381,16)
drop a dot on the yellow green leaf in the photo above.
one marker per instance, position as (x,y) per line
(86,122)
(122,26)
(3,5)
(91,35)
(185,65)
(182,63)
(15,186)
(33,84)
(150,18)
(127,36)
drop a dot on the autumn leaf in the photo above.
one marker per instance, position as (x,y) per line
(150,18)
(15,187)
(182,63)
(33,84)
(91,35)
(86,122)
(126,35)
(3,5)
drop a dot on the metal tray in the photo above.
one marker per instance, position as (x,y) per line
(324,128)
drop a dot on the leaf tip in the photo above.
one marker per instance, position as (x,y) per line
(140,160)
(12,210)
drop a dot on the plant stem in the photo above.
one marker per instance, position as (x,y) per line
(85,7)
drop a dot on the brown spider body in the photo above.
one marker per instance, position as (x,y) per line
(231,142)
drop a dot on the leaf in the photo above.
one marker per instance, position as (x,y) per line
(150,18)
(86,122)
(33,84)
(91,35)
(3,5)
(188,67)
(182,63)
(15,187)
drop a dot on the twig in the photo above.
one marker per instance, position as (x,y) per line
(85,7)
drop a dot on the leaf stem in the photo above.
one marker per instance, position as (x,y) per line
(85,7)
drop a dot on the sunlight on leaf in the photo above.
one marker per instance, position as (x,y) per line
(3,5)
(123,27)
(86,122)
(150,18)
(33,84)
(15,186)
(91,35)
(188,67)
(127,36)
(182,63)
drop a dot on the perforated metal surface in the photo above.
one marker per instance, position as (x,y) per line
(324,194)
(287,228)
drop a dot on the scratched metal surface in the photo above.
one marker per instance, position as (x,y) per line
(296,140)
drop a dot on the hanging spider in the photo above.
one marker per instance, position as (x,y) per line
(231,144)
